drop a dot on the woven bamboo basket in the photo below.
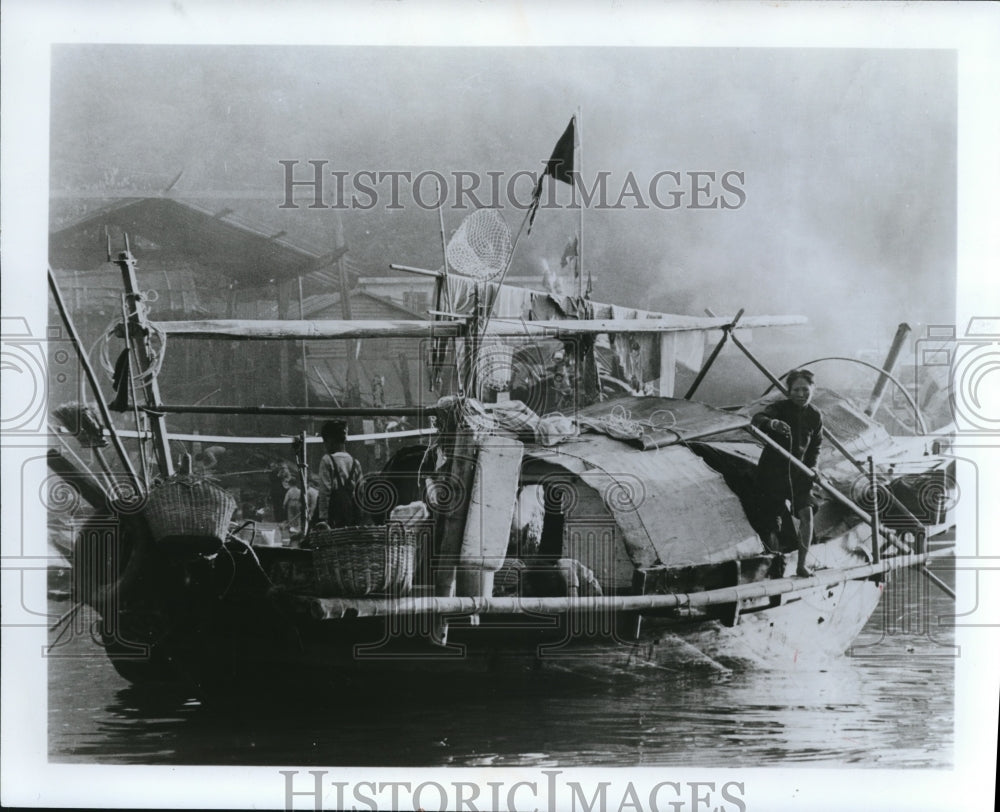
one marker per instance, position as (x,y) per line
(189,506)
(352,562)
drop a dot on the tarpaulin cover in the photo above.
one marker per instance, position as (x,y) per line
(652,422)
(670,506)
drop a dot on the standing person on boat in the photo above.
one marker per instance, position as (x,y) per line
(339,475)
(279,479)
(293,504)
(785,491)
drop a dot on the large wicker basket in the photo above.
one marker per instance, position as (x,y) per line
(189,506)
(352,562)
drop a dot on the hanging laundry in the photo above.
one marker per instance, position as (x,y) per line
(571,256)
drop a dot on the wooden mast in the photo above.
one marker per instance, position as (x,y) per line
(352,397)
(138,329)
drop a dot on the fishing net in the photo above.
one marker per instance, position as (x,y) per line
(481,247)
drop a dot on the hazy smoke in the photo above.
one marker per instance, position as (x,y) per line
(848,158)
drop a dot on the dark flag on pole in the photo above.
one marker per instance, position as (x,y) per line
(559,166)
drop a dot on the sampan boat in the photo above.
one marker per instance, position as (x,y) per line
(620,537)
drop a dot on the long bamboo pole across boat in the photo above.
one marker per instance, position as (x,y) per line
(297,329)
(295,411)
(336,608)
(292,329)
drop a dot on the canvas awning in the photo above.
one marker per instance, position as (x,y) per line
(670,507)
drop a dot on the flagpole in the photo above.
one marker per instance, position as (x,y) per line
(579,168)
(551,169)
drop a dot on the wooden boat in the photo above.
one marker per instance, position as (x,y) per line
(646,556)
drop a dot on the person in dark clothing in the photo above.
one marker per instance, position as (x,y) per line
(339,475)
(797,426)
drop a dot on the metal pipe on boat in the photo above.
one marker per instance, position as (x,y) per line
(887,367)
(92,380)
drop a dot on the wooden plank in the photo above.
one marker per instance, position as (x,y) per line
(491,507)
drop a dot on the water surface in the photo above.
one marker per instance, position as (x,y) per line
(889,704)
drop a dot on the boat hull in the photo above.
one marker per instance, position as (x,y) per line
(256,632)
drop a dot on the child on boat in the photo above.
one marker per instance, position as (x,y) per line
(339,475)
(293,504)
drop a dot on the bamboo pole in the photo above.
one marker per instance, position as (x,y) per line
(873,480)
(726,331)
(151,387)
(80,478)
(352,394)
(503,274)
(441,299)
(302,462)
(579,157)
(419,271)
(298,411)
(294,330)
(135,397)
(88,372)
(567,327)
(245,440)
(938,582)
(302,349)
(335,608)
